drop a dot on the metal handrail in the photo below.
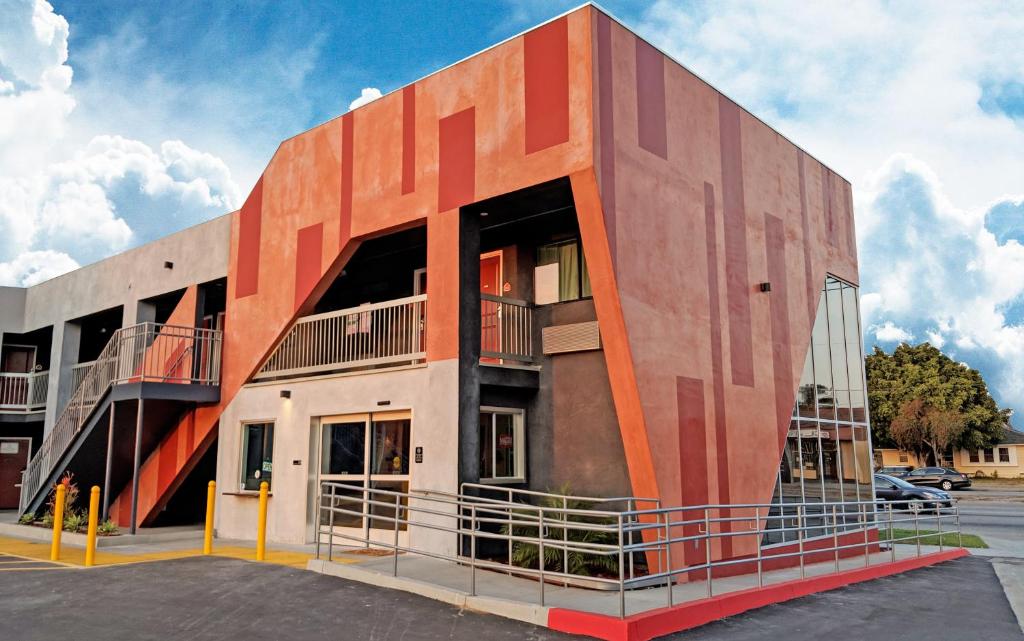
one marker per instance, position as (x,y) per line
(147,352)
(629,533)
(23,392)
(506,330)
(386,333)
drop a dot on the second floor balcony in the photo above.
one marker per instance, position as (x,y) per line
(23,393)
(393,333)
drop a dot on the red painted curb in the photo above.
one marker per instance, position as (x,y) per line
(655,623)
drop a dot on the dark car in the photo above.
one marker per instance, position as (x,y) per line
(944,477)
(912,497)
(899,471)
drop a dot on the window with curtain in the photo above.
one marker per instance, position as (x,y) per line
(573,279)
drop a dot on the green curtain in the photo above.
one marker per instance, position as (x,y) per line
(566,254)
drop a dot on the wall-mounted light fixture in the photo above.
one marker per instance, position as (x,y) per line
(168,264)
(484,214)
(383,403)
(286,393)
(765,287)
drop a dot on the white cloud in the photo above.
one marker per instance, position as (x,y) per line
(30,268)
(888,332)
(909,101)
(73,202)
(368,95)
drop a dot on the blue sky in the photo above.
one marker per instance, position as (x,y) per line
(122,121)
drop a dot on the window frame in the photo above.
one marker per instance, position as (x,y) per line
(999,455)
(244,451)
(988,455)
(519,444)
(581,265)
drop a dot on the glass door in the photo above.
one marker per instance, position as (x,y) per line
(368,451)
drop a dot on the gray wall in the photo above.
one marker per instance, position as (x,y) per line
(199,254)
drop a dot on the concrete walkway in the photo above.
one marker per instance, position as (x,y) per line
(520,598)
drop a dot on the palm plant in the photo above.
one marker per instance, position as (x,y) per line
(556,558)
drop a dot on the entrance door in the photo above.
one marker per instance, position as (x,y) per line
(365,451)
(13,460)
(490,283)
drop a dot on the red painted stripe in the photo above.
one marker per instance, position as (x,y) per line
(782,348)
(409,139)
(247,268)
(737,280)
(650,99)
(345,226)
(546,79)
(309,246)
(655,623)
(851,232)
(826,198)
(693,456)
(717,370)
(456,160)
(606,106)
(813,288)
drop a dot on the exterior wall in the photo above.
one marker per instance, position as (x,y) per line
(696,203)
(429,391)
(893,457)
(12,309)
(1013,469)
(199,254)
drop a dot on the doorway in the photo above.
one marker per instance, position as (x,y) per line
(365,451)
(490,314)
(13,460)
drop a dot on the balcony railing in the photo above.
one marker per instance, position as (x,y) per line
(23,392)
(506,329)
(142,353)
(368,336)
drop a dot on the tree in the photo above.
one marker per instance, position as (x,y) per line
(923,401)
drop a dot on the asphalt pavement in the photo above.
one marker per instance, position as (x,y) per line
(996,514)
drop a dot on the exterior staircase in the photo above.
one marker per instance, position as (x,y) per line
(143,353)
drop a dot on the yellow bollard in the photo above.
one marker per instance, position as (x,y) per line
(94,515)
(261,530)
(211,494)
(58,522)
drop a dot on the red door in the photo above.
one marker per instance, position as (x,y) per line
(13,459)
(490,283)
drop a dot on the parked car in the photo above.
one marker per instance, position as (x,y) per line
(912,497)
(944,477)
(899,471)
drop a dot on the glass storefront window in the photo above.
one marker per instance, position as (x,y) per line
(827,457)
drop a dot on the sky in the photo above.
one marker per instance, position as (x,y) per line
(121,122)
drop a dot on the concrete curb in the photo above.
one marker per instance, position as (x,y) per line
(74,539)
(526,612)
(655,623)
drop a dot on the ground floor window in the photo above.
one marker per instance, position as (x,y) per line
(502,444)
(973,457)
(989,455)
(257,454)
(1004,455)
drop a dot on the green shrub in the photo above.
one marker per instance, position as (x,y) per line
(70,495)
(107,528)
(27,518)
(47,519)
(74,522)
(526,555)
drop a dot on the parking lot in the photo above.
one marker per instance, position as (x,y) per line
(230,599)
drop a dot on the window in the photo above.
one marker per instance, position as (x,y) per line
(573,278)
(974,456)
(1004,455)
(502,446)
(904,458)
(989,455)
(257,454)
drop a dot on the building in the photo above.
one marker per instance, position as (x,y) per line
(1005,459)
(563,260)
